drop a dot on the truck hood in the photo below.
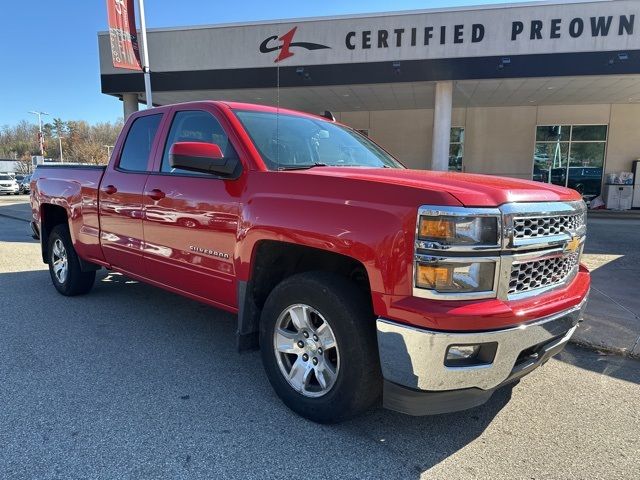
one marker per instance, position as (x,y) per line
(472,190)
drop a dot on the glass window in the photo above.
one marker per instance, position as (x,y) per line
(456,149)
(588,133)
(137,146)
(553,133)
(571,156)
(195,126)
(293,142)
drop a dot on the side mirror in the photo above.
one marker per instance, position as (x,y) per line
(201,157)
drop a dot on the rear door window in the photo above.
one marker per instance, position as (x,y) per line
(139,142)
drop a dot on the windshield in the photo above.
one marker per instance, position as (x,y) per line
(5,177)
(288,142)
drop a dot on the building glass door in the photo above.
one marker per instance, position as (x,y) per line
(571,156)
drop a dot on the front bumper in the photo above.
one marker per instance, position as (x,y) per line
(8,189)
(418,382)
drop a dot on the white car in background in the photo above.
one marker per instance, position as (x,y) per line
(8,185)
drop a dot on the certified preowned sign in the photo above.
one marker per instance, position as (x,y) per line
(414,36)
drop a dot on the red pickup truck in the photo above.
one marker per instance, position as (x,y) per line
(358,279)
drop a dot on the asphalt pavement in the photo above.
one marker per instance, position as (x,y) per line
(134,382)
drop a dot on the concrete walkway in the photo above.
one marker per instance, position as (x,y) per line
(612,253)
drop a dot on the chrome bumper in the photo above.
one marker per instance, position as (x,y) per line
(415,358)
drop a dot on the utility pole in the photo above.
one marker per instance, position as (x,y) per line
(108,147)
(145,55)
(60,143)
(40,136)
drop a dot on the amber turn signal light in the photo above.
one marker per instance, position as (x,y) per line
(432,277)
(436,228)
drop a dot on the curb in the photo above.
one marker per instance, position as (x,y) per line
(622,352)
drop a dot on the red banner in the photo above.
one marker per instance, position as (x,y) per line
(124,37)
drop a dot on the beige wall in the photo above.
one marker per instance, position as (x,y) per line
(405,133)
(624,137)
(574,114)
(499,140)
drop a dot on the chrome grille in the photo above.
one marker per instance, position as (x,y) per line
(535,227)
(546,272)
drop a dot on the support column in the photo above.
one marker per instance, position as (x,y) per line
(129,104)
(442,126)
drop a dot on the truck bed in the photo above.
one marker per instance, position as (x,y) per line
(75,188)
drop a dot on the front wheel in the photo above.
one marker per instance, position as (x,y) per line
(319,347)
(64,264)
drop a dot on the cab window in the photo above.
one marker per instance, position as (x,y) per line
(138,144)
(195,126)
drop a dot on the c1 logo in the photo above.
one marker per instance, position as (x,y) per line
(287,43)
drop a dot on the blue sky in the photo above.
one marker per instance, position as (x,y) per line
(49,52)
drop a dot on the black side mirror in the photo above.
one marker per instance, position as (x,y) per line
(202,157)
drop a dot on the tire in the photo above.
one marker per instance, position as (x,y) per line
(350,371)
(69,280)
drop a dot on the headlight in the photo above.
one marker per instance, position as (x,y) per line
(463,276)
(459,230)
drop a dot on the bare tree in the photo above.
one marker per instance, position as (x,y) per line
(81,141)
(23,165)
(88,152)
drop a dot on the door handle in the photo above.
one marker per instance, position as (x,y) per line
(110,189)
(156,194)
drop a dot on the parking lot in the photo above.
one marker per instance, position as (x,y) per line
(134,382)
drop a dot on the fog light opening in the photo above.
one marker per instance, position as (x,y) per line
(457,352)
(470,355)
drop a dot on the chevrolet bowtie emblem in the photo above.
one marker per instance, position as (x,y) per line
(572,245)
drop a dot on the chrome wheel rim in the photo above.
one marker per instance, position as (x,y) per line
(306,350)
(59,261)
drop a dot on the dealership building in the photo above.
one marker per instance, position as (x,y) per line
(542,90)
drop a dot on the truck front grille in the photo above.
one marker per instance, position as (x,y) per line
(536,227)
(527,276)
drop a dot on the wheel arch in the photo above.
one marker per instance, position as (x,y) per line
(273,261)
(50,216)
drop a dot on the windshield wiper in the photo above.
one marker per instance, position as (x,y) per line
(305,166)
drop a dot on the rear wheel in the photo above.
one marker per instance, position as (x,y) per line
(64,264)
(319,347)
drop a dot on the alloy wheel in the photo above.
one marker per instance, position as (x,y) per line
(306,350)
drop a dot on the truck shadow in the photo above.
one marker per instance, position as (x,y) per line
(132,361)
(12,229)
(144,376)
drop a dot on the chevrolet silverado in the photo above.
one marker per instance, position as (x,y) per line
(360,280)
